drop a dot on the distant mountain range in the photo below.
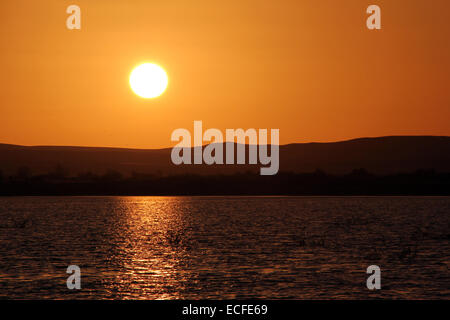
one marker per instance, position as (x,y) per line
(382,155)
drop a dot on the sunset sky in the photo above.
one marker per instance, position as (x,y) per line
(310,68)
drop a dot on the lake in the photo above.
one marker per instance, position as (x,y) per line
(224,247)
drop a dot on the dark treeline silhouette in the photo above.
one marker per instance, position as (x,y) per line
(357,182)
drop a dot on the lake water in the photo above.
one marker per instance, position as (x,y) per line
(224,247)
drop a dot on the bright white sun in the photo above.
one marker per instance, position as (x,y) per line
(148,80)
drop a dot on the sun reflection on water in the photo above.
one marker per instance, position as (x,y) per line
(151,250)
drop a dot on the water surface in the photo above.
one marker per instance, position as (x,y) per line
(224,247)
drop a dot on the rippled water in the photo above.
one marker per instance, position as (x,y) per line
(224,247)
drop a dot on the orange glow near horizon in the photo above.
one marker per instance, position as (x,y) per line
(309,68)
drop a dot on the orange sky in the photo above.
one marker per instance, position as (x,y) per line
(309,68)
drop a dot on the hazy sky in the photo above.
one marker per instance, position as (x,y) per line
(310,68)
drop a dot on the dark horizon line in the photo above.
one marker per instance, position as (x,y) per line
(225,142)
(421,182)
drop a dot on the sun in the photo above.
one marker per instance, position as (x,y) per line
(148,80)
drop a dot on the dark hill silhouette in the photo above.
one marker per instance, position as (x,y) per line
(383,155)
